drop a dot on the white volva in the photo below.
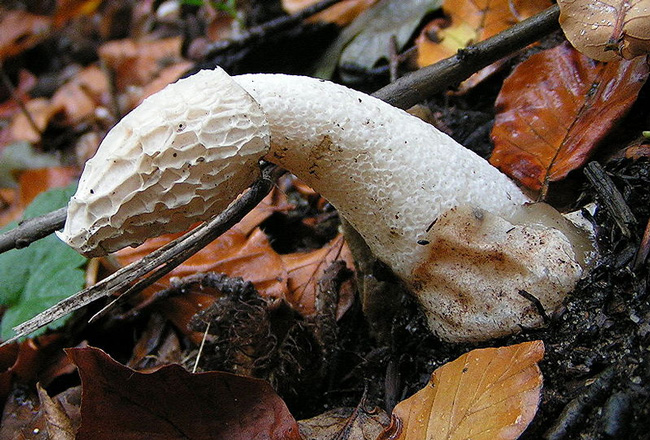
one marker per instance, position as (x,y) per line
(448,223)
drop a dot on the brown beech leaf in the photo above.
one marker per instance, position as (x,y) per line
(486,394)
(607,29)
(171,403)
(554,109)
(243,251)
(32,183)
(305,270)
(470,21)
(140,62)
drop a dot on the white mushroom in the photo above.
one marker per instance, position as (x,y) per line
(452,227)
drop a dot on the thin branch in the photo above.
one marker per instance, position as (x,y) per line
(266,29)
(16,97)
(31,230)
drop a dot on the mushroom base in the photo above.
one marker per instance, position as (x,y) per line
(485,277)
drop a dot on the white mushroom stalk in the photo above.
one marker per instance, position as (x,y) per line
(451,226)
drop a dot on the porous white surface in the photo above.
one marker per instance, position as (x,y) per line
(388,173)
(180,157)
(480,272)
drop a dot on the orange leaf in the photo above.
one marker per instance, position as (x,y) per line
(33,182)
(490,394)
(471,21)
(243,251)
(305,270)
(139,62)
(80,96)
(554,109)
(66,10)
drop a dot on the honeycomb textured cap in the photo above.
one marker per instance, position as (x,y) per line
(158,168)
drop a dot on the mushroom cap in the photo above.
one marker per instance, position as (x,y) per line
(156,171)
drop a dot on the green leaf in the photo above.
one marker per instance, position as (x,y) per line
(39,276)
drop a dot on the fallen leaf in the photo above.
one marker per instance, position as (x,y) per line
(57,422)
(242,251)
(486,394)
(171,403)
(20,30)
(136,63)
(468,22)
(606,30)
(554,109)
(305,270)
(21,419)
(342,13)
(345,424)
(66,10)
(82,94)
(33,182)
(41,111)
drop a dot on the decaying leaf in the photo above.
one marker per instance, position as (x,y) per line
(469,22)
(345,424)
(136,63)
(554,109)
(486,394)
(57,422)
(606,30)
(171,403)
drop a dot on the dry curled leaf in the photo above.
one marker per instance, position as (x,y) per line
(555,108)
(486,394)
(607,29)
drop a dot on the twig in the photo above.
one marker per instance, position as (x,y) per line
(611,198)
(23,108)
(264,30)
(162,261)
(31,230)
(425,82)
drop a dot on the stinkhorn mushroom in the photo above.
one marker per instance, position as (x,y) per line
(458,232)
